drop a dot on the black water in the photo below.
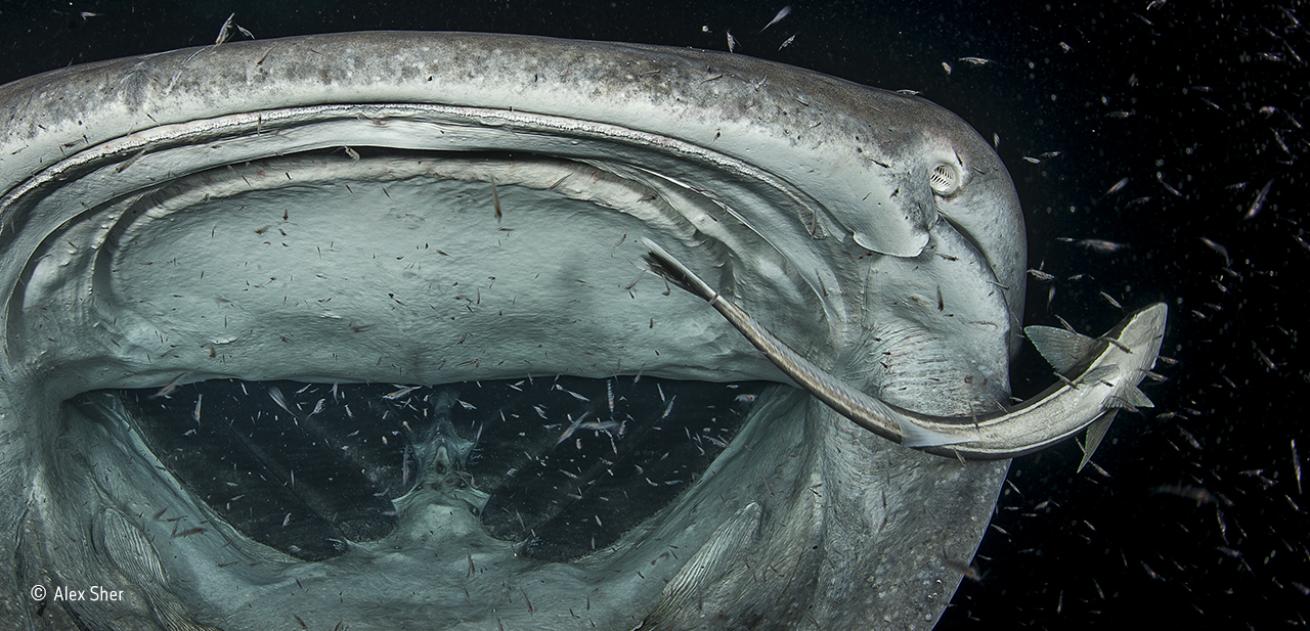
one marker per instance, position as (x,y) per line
(1194,515)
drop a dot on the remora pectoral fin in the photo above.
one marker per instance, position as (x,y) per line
(1111,368)
(1095,434)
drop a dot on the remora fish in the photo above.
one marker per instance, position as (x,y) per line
(1104,373)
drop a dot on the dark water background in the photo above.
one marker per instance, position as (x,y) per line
(1197,518)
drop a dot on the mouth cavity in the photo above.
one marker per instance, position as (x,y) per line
(559,467)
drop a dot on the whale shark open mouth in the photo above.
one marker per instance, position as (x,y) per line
(362,330)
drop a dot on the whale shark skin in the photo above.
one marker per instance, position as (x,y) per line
(432,208)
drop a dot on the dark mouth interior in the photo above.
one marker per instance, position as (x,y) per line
(558,466)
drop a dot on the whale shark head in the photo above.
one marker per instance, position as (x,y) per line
(463,211)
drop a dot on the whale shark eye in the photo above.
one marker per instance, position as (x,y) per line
(560,467)
(944,179)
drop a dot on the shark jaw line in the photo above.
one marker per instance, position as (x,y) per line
(149,176)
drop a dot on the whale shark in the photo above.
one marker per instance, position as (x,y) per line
(438,208)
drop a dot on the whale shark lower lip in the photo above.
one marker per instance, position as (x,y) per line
(430,208)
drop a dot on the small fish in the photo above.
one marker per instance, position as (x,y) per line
(400,393)
(668,408)
(354,155)
(86,15)
(781,15)
(1296,467)
(1100,246)
(732,42)
(466,405)
(318,407)
(1110,299)
(1264,359)
(229,25)
(495,201)
(1117,186)
(976,61)
(1031,160)
(226,31)
(606,426)
(286,520)
(168,387)
(275,393)
(609,395)
(1172,191)
(1040,275)
(947,68)
(195,414)
(1200,495)
(1259,202)
(573,427)
(745,398)
(1218,249)
(787,42)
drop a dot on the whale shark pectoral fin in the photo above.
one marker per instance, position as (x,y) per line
(1096,432)
(1060,348)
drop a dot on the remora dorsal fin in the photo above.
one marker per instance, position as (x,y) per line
(1095,433)
(1060,348)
